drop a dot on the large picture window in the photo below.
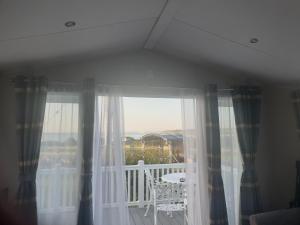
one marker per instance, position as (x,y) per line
(134,138)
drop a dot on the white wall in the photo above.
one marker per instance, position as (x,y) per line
(141,68)
(279,149)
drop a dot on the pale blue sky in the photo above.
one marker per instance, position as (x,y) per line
(141,115)
(152,114)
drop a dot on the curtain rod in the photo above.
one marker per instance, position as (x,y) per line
(232,89)
(13,80)
(225,89)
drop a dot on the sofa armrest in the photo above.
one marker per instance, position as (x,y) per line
(279,217)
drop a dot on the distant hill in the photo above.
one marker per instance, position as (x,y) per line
(138,135)
(135,135)
(62,137)
(171,132)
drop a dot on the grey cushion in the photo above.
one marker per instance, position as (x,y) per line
(280,217)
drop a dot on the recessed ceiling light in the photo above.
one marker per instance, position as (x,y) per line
(253,40)
(70,23)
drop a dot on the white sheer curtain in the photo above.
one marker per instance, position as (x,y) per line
(232,167)
(59,163)
(193,117)
(110,201)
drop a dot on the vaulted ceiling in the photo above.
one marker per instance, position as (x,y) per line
(204,31)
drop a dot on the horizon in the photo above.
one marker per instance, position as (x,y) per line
(129,132)
(141,115)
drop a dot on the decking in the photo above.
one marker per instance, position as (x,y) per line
(137,217)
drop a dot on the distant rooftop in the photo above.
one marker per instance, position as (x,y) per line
(165,136)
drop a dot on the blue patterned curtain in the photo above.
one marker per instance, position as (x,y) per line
(85,214)
(296,104)
(247,105)
(31,94)
(218,211)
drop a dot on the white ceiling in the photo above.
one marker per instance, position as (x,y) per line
(33,30)
(209,31)
(220,31)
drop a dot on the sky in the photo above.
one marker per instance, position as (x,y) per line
(146,115)
(141,115)
(61,118)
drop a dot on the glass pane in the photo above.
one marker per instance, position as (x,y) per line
(231,159)
(153,130)
(58,169)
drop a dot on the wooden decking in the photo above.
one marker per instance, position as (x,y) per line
(137,217)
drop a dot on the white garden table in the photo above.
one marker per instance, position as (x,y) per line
(174,178)
(177,200)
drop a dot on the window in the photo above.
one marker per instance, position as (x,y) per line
(153,135)
(153,130)
(59,165)
(231,160)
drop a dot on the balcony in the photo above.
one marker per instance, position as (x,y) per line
(53,183)
(61,184)
(137,217)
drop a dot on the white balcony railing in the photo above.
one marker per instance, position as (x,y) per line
(58,188)
(136,182)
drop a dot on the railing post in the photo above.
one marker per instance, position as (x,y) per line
(141,188)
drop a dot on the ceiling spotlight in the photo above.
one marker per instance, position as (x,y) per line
(253,40)
(70,23)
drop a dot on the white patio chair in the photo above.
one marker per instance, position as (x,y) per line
(150,187)
(163,194)
(165,197)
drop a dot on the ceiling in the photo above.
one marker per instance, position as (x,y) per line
(203,31)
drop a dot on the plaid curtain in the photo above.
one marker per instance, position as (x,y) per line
(31,94)
(247,105)
(296,104)
(218,211)
(85,214)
